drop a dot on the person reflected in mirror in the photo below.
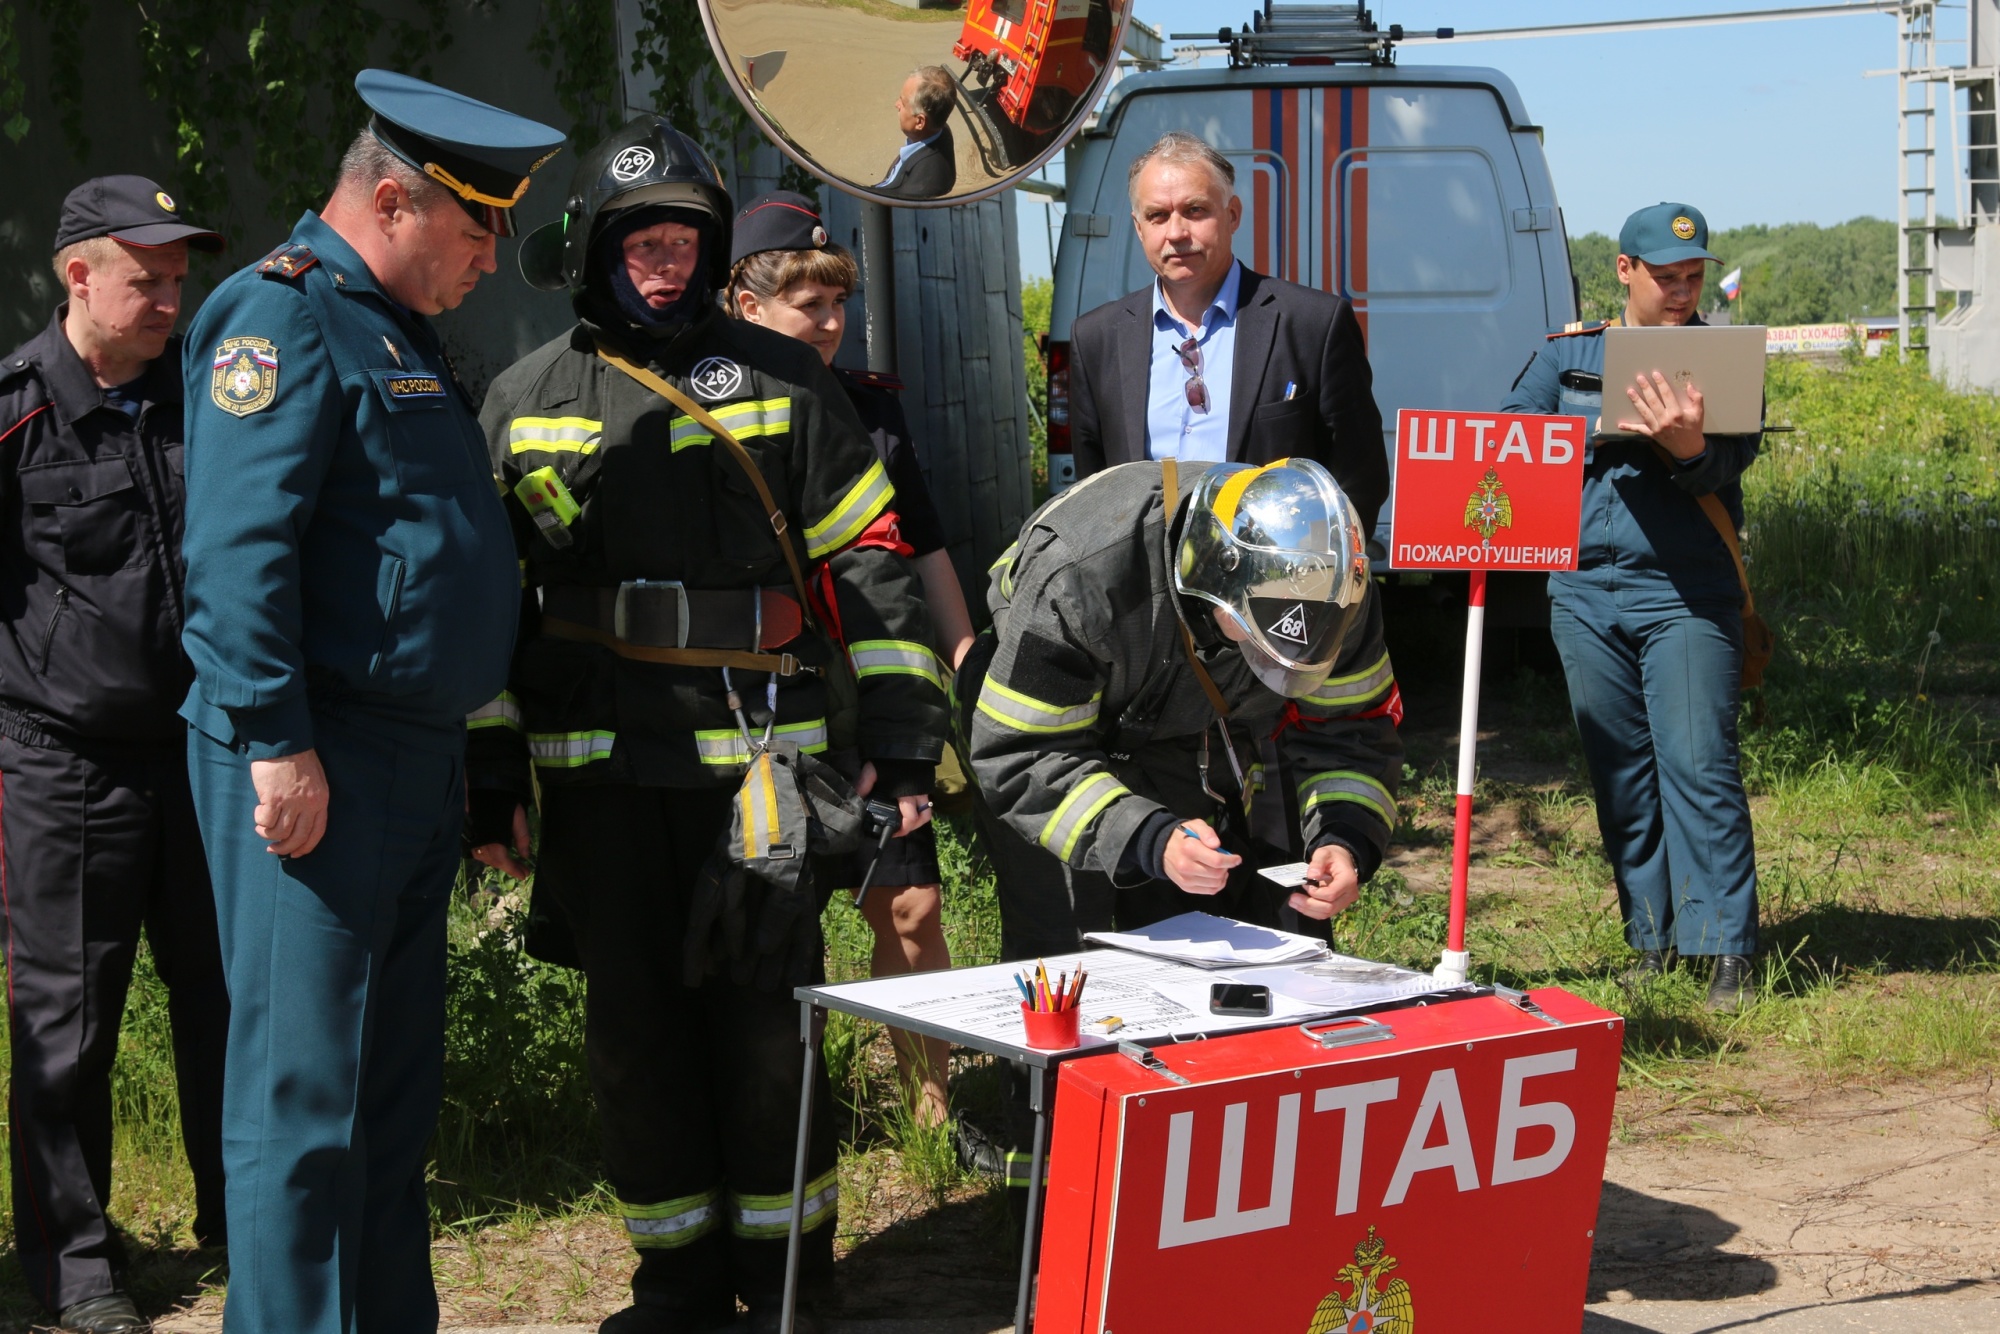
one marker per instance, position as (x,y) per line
(786,275)
(926,167)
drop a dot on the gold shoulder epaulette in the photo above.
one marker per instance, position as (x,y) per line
(1581,327)
(288,261)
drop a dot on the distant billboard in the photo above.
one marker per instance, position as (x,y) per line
(1810,338)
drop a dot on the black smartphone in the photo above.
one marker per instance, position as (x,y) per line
(1238,998)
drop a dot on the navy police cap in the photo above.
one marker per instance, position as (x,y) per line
(482,154)
(1665,234)
(133,210)
(781,220)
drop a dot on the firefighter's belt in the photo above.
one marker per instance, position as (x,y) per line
(680,628)
(663,614)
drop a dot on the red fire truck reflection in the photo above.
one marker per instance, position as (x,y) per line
(1028,66)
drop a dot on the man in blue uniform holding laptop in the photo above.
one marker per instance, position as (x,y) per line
(1649,625)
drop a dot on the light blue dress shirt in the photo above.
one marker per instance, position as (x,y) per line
(1174,430)
(903,155)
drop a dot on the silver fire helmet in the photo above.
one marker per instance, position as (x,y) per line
(1279,549)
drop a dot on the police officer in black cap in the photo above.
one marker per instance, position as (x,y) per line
(351,594)
(687,611)
(786,274)
(97,830)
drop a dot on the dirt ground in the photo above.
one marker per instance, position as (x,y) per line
(1799,1192)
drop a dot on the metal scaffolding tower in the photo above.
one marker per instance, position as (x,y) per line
(1917,80)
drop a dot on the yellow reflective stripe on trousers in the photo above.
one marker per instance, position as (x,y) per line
(1021,1168)
(672,1223)
(753,417)
(759,1216)
(1025,713)
(554,435)
(504,711)
(726,746)
(1346,785)
(856,510)
(894,657)
(1361,688)
(570,750)
(1075,813)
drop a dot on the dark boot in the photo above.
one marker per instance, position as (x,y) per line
(1731,990)
(112,1313)
(1652,964)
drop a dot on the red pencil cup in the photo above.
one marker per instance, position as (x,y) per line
(1057,1031)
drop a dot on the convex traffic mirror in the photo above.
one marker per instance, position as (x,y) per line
(918,101)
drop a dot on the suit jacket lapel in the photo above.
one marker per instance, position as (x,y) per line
(1256,327)
(1135,368)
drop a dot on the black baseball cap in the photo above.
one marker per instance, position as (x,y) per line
(131,209)
(781,220)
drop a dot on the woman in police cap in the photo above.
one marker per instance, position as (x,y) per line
(674,638)
(785,274)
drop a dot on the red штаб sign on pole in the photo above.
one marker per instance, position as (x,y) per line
(1482,491)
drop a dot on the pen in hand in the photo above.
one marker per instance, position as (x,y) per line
(1189,833)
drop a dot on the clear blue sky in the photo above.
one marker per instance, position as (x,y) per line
(1763,122)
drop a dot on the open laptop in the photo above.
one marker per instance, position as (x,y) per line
(1725,362)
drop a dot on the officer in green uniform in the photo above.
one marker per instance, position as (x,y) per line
(351,596)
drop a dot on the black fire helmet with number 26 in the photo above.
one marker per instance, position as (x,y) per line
(646,161)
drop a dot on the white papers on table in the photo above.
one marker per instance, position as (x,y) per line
(1207,941)
(1341,982)
(1155,998)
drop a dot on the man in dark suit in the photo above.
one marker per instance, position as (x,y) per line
(1215,361)
(927,166)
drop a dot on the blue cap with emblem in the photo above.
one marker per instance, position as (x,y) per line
(483,155)
(1666,234)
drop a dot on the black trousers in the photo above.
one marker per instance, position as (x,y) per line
(93,847)
(697,1087)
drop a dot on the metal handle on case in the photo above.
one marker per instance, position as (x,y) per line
(1349,1032)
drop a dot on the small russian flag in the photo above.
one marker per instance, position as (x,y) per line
(1732,283)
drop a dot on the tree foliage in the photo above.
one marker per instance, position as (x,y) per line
(1796,273)
(240,81)
(230,77)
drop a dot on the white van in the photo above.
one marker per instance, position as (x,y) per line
(1420,194)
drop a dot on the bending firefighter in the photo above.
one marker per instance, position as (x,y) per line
(1149,625)
(716,600)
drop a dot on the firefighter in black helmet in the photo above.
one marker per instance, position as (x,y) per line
(675,625)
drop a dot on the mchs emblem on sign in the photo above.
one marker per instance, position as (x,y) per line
(1368,1308)
(1489,509)
(245,375)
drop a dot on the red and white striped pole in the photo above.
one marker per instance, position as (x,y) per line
(1452,967)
